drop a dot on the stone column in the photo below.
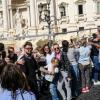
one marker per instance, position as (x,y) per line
(11,26)
(5,14)
(55,15)
(11,18)
(33,14)
(28,18)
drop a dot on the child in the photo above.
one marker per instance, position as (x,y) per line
(51,72)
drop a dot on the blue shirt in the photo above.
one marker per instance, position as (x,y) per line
(84,53)
(7,95)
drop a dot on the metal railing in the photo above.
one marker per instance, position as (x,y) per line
(54,36)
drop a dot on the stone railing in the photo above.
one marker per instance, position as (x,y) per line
(96,16)
(81,17)
(64,19)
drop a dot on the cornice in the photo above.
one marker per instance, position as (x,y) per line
(80,2)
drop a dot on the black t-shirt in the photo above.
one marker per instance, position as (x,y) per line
(94,49)
(30,67)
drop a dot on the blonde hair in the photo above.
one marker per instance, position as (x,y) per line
(71,45)
(54,60)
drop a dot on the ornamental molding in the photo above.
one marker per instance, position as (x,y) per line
(63,4)
(80,2)
(96,0)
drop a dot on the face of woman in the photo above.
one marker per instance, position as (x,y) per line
(56,48)
(46,49)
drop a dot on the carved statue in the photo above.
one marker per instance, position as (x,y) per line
(18,19)
(1,20)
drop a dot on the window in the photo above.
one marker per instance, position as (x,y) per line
(80,9)
(62,10)
(64,30)
(98,7)
(81,28)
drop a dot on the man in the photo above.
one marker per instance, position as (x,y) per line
(11,55)
(29,67)
(97,39)
(95,57)
(2,52)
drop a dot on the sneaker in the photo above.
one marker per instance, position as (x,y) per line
(84,90)
(97,83)
(87,89)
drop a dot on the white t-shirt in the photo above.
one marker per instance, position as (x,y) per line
(50,69)
(49,58)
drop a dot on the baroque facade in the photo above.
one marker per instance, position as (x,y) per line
(27,16)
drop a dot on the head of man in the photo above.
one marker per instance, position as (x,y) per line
(28,48)
(2,51)
(94,36)
(2,47)
(10,50)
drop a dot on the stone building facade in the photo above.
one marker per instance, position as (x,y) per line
(28,16)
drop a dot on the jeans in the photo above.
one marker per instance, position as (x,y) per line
(63,79)
(53,91)
(85,75)
(75,70)
(96,67)
(75,86)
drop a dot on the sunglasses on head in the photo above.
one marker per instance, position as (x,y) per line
(29,48)
(46,48)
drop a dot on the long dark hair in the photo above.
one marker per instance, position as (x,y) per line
(44,50)
(13,79)
(65,45)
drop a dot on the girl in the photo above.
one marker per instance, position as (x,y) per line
(51,73)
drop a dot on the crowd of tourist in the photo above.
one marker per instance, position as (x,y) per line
(64,71)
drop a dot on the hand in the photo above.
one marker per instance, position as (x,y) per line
(21,62)
(68,78)
(50,73)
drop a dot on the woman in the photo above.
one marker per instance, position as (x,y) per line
(14,85)
(48,54)
(85,65)
(72,56)
(57,51)
(64,67)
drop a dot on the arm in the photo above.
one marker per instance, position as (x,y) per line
(44,70)
(97,45)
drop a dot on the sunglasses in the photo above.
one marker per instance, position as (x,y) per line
(56,48)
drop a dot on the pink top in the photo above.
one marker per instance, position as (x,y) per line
(58,56)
